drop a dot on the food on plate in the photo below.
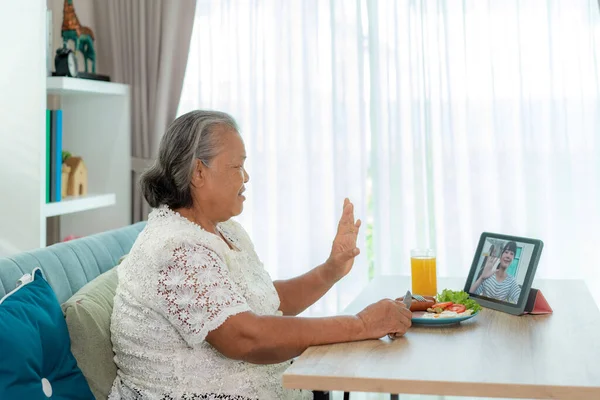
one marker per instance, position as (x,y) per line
(447,314)
(457,308)
(447,304)
(442,305)
(420,305)
(458,297)
(452,304)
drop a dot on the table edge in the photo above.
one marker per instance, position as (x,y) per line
(440,388)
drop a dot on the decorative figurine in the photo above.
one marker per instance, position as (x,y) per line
(78,177)
(82,36)
(66,170)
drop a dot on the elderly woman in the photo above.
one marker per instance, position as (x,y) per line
(196,315)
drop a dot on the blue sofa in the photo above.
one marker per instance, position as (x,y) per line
(41,360)
(70,265)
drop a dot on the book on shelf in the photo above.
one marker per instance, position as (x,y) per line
(48,150)
(53,155)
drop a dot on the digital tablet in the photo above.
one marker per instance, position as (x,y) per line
(502,271)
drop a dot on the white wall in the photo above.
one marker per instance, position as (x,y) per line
(22,122)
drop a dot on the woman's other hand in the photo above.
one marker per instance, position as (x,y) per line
(386,317)
(344,250)
(489,268)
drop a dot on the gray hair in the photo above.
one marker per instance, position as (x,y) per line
(190,137)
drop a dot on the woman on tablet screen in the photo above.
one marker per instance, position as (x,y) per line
(494,282)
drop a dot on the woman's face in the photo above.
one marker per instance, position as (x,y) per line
(507,258)
(222,182)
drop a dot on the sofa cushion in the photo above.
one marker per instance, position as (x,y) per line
(36,361)
(88,315)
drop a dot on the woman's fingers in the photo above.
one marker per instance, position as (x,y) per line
(349,213)
(346,211)
(354,228)
(347,223)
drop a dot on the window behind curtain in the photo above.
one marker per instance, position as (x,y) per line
(442,118)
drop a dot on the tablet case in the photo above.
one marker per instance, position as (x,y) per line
(537,303)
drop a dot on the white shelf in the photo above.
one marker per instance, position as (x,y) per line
(70,205)
(59,85)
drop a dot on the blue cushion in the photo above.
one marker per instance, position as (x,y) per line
(36,359)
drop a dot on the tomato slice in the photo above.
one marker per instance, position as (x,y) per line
(457,308)
(442,305)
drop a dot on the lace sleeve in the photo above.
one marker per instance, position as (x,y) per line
(196,294)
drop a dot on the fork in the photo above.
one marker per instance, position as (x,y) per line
(420,298)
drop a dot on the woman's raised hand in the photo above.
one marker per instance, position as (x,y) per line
(489,269)
(344,250)
(386,317)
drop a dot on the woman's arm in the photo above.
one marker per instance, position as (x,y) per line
(488,271)
(271,339)
(297,294)
(476,285)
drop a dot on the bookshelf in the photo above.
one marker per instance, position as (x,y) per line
(70,205)
(96,126)
(64,86)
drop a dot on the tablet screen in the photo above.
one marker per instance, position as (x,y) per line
(502,266)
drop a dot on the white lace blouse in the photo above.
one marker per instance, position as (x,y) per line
(178,283)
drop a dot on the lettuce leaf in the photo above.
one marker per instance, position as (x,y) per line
(458,297)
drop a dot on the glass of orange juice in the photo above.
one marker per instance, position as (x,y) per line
(423,272)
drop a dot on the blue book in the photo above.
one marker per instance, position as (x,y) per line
(48,153)
(52,158)
(58,156)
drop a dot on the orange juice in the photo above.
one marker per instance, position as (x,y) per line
(424,278)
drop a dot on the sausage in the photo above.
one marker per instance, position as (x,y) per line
(420,305)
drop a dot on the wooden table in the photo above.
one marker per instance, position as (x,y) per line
(495,354)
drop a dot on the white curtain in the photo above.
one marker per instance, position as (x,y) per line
(439,119)
(486,118)
(293,85)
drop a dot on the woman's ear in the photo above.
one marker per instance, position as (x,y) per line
(199,175)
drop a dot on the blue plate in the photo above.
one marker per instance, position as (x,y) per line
(417,319)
